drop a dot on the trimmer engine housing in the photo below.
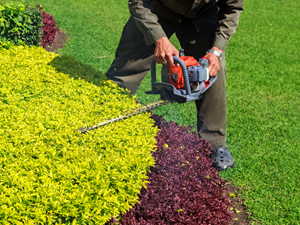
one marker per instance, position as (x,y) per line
(186,80)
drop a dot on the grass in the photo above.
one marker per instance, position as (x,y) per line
(262,93)
(263,113)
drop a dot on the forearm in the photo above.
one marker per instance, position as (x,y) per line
(146,20)
(228,18)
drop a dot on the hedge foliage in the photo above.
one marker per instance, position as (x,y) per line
(51,174)
(183,188)
(20,24)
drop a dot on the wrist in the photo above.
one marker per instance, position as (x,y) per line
(216,51)
(161,40)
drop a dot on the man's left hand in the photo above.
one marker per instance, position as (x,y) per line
(214,66)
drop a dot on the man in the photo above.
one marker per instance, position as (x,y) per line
(203,28)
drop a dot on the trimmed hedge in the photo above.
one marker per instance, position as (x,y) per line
(51,174)
(20,24)
(183,186)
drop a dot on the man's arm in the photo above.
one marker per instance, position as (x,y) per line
(228,18)
(147,22)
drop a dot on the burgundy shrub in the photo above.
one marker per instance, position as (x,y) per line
(49,29)
(183,186)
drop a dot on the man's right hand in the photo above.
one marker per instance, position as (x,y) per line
(165,51)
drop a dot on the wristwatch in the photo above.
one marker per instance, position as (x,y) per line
(215,52)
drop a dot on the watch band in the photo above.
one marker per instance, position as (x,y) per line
(218,54)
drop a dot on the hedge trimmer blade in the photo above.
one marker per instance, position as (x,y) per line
(129,113)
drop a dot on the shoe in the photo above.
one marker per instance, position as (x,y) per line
(222,158)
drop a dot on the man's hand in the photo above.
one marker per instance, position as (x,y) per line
(213,60)
(165,51)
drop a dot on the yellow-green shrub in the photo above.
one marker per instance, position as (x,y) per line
(51,174)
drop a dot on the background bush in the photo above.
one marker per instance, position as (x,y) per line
(20,24)
(50,173)
(49,28)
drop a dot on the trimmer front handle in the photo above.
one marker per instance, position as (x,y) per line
(168,91)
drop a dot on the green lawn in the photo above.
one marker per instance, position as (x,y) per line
(263,89)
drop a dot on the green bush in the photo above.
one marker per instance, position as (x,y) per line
(52,174)
(20,24)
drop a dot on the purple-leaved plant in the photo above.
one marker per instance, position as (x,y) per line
(49,28)
(183,186)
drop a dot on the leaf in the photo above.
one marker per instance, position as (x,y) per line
(237,211)
(232,195)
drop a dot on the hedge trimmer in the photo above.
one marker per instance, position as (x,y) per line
(186,70)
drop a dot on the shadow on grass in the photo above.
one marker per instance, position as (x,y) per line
(74,68)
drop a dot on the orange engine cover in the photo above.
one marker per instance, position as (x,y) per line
(175,72)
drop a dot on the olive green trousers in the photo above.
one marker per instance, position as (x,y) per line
(133,60)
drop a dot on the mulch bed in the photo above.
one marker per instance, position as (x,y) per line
(59,42)
(238,210)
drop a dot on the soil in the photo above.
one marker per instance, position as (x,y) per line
(59,42)
(238,209)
